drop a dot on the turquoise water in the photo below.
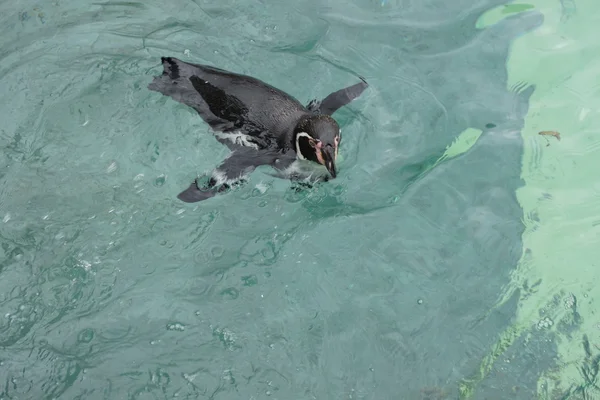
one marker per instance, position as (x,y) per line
(391,281)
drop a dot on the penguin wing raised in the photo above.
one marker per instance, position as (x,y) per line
(227,101)
(337,100)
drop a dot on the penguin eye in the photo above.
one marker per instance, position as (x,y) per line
(315,143)
(337,140)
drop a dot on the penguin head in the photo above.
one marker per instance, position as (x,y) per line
(317,138)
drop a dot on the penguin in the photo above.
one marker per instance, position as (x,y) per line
(259,123)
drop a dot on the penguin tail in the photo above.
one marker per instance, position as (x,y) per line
(171,73)
(175,83)
(175,76)
(170,67)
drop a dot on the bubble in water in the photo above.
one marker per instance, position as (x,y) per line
(160,180)
(228,376)
(250,280)
(545,323)
(570,301)
(85,336)
(112,167)
(189,377)
(6,218)
(261,188)
(231,292)
(86,265)
(268,252)
(175,326)
(226,337)
(217,251)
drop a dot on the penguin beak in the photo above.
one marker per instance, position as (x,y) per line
(329,160)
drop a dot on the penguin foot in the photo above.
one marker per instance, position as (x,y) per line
(194,194)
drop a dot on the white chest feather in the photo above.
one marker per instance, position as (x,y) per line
(304,170)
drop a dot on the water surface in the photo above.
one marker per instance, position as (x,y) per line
(399,278)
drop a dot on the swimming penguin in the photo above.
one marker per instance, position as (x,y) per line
(259,123)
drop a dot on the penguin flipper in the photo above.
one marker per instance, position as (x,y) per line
(340,98)
(231,172)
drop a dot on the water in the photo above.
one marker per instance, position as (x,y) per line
(433,267)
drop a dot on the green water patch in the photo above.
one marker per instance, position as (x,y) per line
(556,279)
(496,14)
